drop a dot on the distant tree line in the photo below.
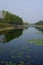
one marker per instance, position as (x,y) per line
(39,22)
(11,18)
(25,23)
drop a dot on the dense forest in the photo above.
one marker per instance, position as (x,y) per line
(10,18)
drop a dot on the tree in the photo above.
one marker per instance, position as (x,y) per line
(12,18)
(39,22)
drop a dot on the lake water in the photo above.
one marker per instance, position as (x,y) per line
(21,47)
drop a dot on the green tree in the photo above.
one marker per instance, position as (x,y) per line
(12,18)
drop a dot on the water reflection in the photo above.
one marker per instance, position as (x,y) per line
(7,36)
(19,52)
(40,29)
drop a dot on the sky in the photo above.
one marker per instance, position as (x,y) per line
(29,10)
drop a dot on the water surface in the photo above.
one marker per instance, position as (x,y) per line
(15,48)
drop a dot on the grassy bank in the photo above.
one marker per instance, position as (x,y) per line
(6,28)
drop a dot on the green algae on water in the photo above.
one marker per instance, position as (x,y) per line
(36,41)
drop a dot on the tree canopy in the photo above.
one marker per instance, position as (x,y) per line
(11,18)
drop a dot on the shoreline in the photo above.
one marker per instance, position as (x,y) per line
(39,26)
(11,28)
(17,27)
(6,28)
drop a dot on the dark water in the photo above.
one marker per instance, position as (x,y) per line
(15,48)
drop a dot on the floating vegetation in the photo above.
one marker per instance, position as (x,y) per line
(19,56)
(10,63)
(36,41)
(6,63)
(20,53)
(13,57)
(21,63)
(25,47)
(14,63)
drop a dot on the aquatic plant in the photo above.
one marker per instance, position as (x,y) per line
(20,53)
(10,63)
(25,47)
(19,56)
(21,62)
(36,41)
(13,57)
(14,63)
(6,63)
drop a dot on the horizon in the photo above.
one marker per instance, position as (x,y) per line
(29,11)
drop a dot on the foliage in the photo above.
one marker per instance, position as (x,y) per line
(11,18)
(39,25)
(26,23)
(39,22)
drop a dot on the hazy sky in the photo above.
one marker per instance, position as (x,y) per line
(30,10)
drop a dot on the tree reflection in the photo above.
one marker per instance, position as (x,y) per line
(9,35)
(40,29)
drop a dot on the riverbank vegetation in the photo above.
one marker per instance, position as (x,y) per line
(10,18)
(39,24)
(9,21)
